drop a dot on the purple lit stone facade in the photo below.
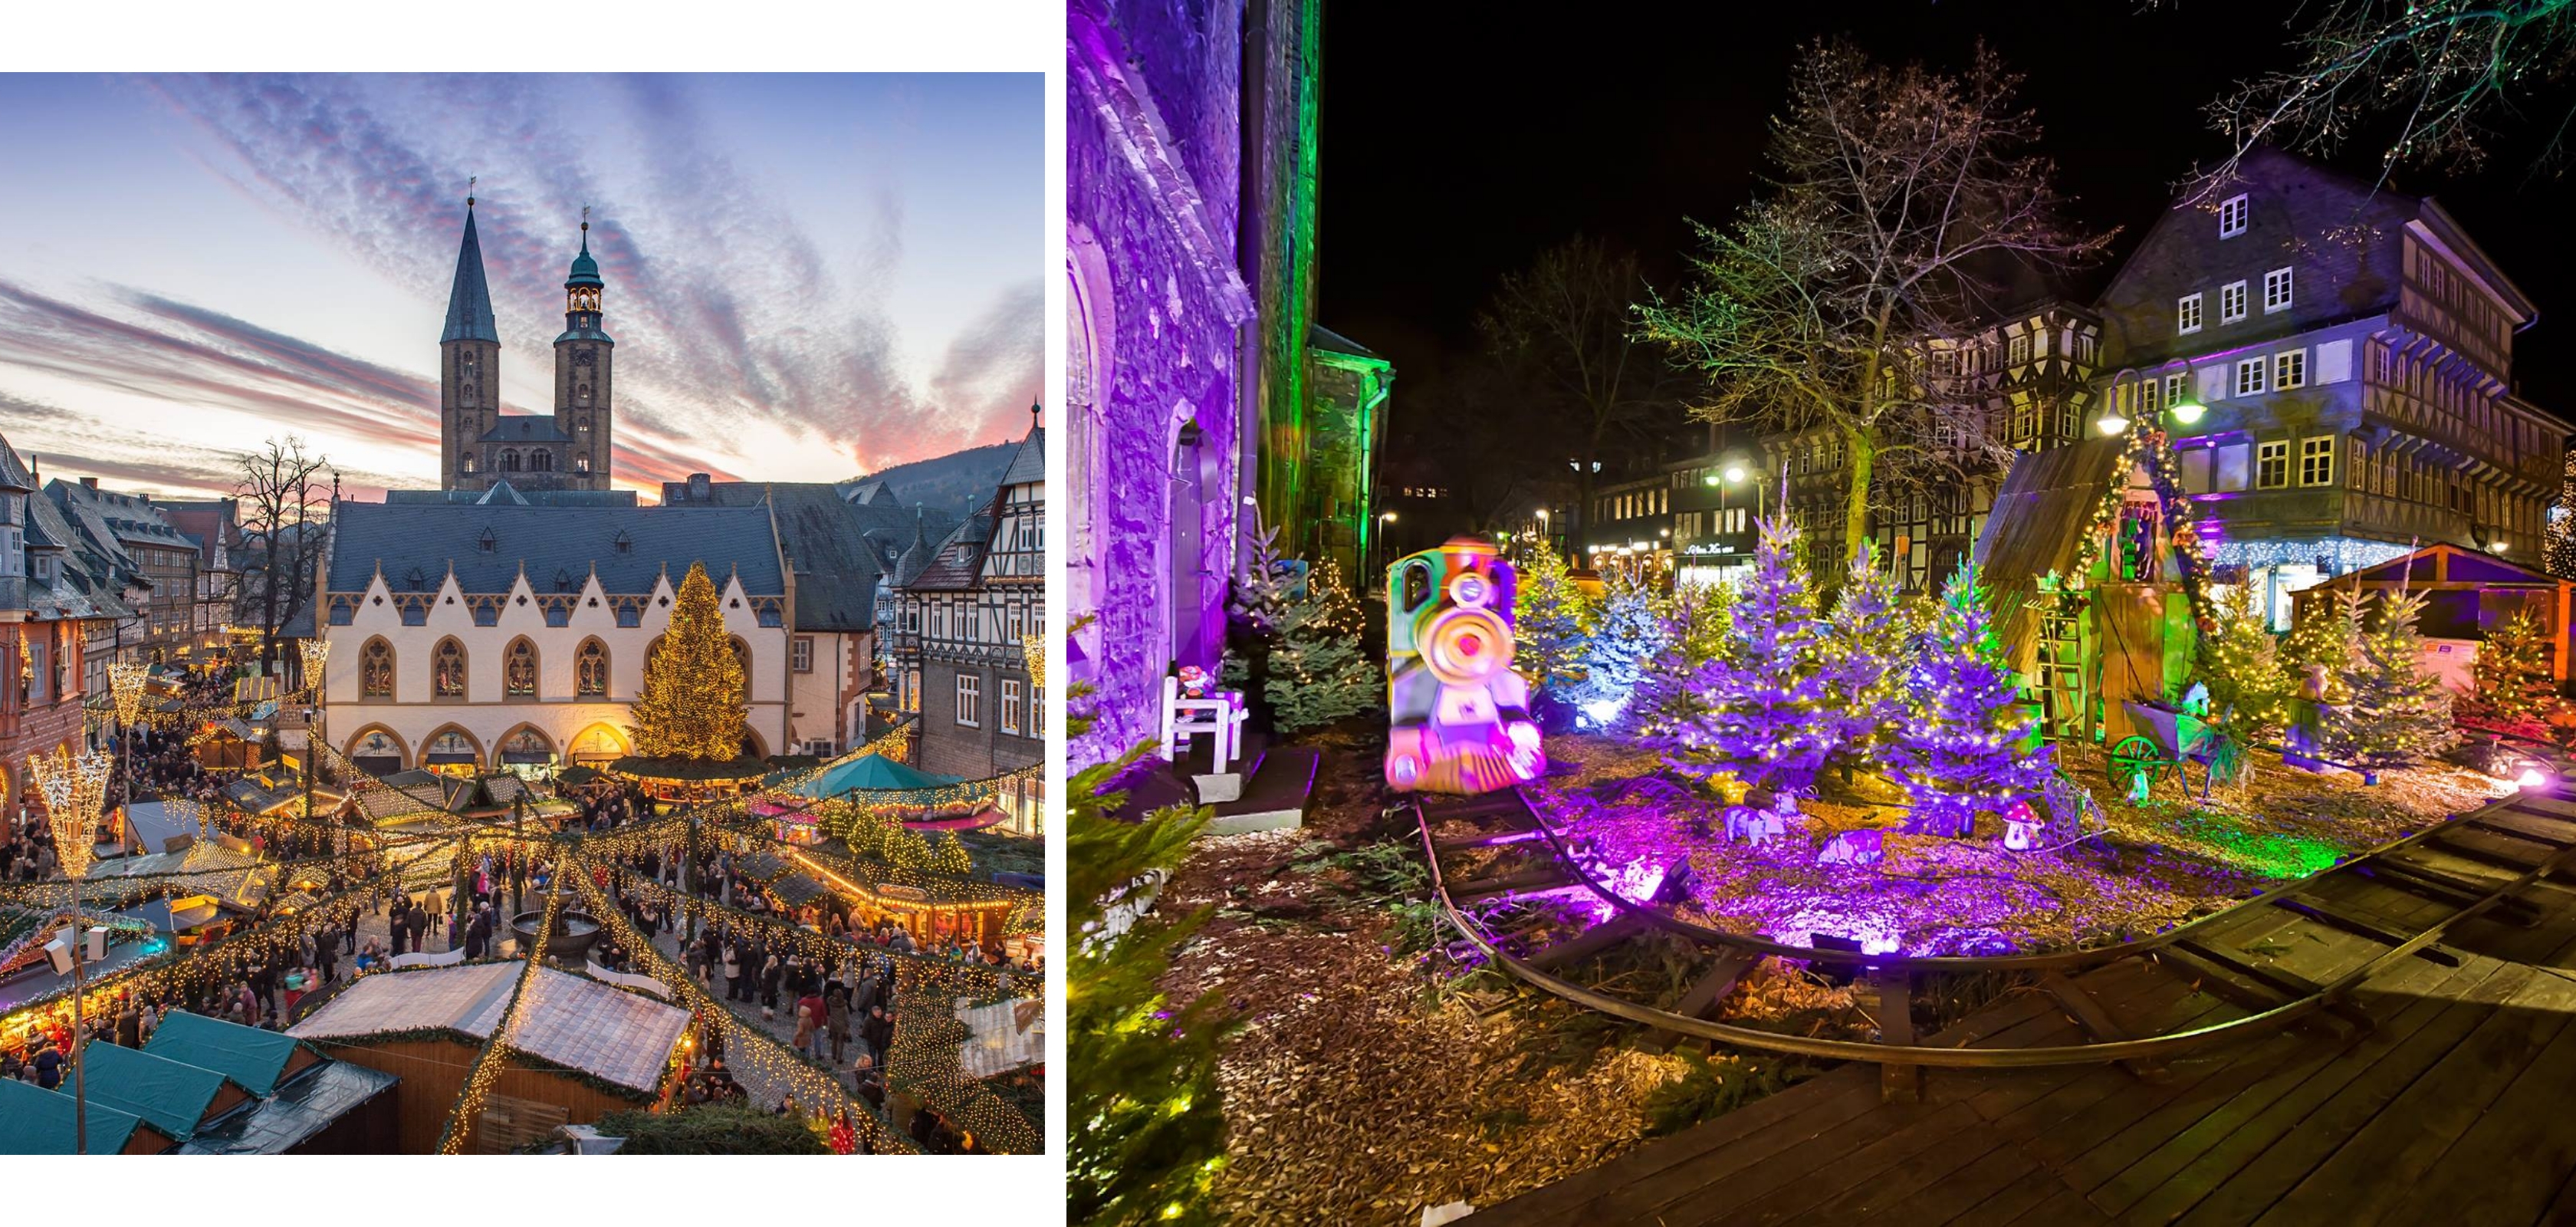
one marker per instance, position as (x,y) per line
(1160,316)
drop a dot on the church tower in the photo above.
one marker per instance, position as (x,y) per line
(469,369)
(583,357)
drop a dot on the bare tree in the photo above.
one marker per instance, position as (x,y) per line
(2427,77)
(1559,333)
(285,508)
(1904,202)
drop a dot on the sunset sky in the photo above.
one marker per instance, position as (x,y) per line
(808,276)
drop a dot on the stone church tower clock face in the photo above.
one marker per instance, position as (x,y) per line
(584,360)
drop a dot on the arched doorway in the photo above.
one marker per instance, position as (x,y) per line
(377,751)
(598,744)
(752,746)
(452,751)
(525,746)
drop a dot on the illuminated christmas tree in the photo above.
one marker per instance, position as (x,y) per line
(1319,672)
(2243,665)
(2325,642)
(1550,621)
(1625,639)
(1963,746)
(2513,671)
(1696,627)
(1769,710)
(948,855)
(692,702)
(1862,643)
(2395,711)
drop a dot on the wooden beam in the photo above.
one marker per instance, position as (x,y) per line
(1897,1083)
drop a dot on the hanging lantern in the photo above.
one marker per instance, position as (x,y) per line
(73,786)
(1033,649)
(316,651)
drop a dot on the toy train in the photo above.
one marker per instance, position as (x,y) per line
(1458,715)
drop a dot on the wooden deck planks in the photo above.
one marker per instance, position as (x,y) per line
(2510,1163)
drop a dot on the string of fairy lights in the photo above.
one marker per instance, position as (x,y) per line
(923,1057)
(489,1062)
(2140,445)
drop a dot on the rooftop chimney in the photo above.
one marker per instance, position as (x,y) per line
(90,482)
(697,487)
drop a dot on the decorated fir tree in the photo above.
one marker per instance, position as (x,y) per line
(1768,707)
(1863,643)
(1962,747)
(1551,619)
(2513,671)
(692,704)
(2323,645)
(1147,1140)
(2245,667)
(1625,639)
(1697,622)
(1255,607)
(2394,712)
(948,855)
(1319,672)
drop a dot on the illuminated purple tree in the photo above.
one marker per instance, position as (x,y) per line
(1863,646)
(1962,748)
(1768,700)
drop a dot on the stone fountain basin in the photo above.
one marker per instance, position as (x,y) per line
(581,929)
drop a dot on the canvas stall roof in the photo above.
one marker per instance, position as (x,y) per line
(252,1056)
(570,1020)
(39,1122)
(154,825)
(2038,523)
(871,772)
(172,1096)
(222,867)
(2448,564)
(253,797)
(996,1042)
(299,1110)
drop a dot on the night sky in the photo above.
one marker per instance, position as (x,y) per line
(1451,156)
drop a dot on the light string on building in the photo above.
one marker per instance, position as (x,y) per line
(924,1058)
(462,1118)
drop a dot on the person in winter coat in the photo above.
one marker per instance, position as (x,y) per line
(836,1021)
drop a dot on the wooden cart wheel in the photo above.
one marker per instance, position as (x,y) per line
(2133,756)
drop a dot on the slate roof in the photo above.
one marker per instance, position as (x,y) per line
(469,299)
(504,492)
(14,474)
(90,581)
(1028,465)
(836,545)
(542,539)
(570,1020)
(958,563)
(525,428)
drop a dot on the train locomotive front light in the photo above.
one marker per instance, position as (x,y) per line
(1464,646)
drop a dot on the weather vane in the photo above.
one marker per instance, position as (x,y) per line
(470,181)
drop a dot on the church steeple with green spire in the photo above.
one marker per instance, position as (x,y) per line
(584,360)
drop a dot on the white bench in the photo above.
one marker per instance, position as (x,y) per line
(1218,717)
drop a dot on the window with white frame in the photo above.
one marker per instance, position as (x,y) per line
(2290,370)
(2174,385)
(2231,302)
(2316,461)
(2271,466)
(970,701)
(801,655)
(2250,374)
(2187,313)
(2231,217)
(2276,290)
(1011,705)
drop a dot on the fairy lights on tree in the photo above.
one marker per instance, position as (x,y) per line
(1697,623)
(1863,646)
(1626,637)
(1962,748)
(2396,712)
(2513,671)
(1318,671)
(1770,707)
(692,704)
(2244,667)
(1550,620)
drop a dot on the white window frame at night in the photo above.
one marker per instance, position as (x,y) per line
(1011,706)
(2272,465)
(970,701)
(2252,376)
(2231,217)
(2231,302)
(2316,461)
(2289,370)
(2174,385)
(2276,290)
(2187,313)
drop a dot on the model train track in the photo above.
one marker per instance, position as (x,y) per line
(1528,871)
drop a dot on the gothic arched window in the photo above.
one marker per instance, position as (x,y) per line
(742,655)
(581,464)
(510,461)
(590,670)
(376,670)
(447,670)
(519,669)
(542,461)
(467,464)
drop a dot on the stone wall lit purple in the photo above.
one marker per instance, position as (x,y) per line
(1156,300)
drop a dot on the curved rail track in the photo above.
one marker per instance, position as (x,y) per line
(1496,913)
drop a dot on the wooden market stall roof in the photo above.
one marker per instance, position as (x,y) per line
(255,1057)
(2038,524)
(573,1021)
(34,1121)
(172,1096)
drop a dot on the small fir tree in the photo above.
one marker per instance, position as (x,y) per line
(2513,671)
(1254,609)
(1963,747)
(2325,642)
(2245,668)
(948,855)
(1862,644)
(2395,712)
(1551,619)
(1319,672)
(692,704)
(1148,1135)
(1625,640)
(1696,625)
(1768,703)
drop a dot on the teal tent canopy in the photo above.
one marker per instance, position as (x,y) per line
(871,773)
(171,1096)
(251,1056)
(39,1122)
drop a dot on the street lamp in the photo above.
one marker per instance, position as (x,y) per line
(73,786)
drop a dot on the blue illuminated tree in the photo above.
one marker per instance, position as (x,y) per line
(1768,707)
(1626,635)
(1963,747)
(1697,624)
(1863,648)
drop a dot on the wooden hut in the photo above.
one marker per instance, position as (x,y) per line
(2091,559)
(34,1121)
(2468,593)
(584,1049)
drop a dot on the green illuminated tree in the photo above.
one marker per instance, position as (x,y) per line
(2325,643)
(2396,711)
(1551,621)
(1319,671)
(1696,628)
(2243,665)
(1863,645)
